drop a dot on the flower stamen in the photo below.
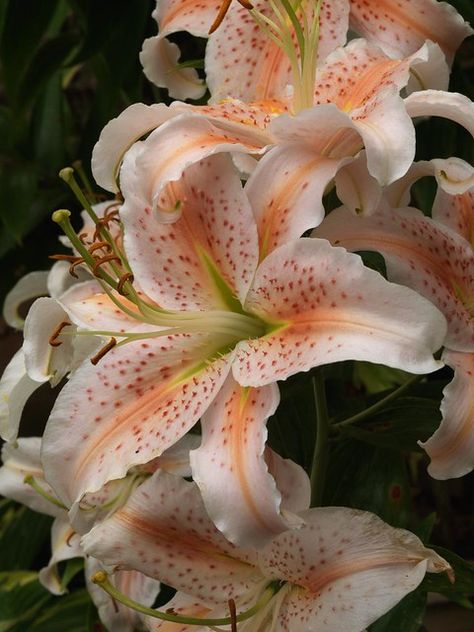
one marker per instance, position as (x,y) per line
(53,339)
(223,12)
(128,276)
(102,352)
(73,265)
(100,262)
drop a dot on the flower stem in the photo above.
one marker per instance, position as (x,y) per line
(101,579)
(378,405)
(320,455)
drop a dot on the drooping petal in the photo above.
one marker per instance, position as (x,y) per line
(208,256)
(44,361)
(244,63)
(451,105)
(29,286)
(451,448)
(18,462)
(65,544)
(15,389)
(456,209)
(240,495)
(160,160)
(323,305)
(420,253)
(453,176)
(287,187)
(292,482)
(176,458)
(356,188)
(119,135)
(137,586)
(400,27)
(137,402)
(165,532)
(348,568)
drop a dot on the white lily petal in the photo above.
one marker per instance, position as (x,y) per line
(30,286)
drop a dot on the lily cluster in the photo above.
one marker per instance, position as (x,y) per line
(188,296)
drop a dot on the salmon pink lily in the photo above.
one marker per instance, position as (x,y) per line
(341,571)
(212,310)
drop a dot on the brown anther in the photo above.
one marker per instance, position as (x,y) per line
(83,236)
(70,258)
(97,246)
(72,267)
(128,276)
(101,353)
(233,615)
(223,12)
(116,608)
(101,261)
(53,339)
(104,222)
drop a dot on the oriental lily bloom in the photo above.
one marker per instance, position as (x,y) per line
(212,310)
(21,478)
(241,62)
(355,104)
(341,571)
(438,262)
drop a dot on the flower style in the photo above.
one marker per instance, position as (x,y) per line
(252,66)
(436,258)
(342,570)
(213,309)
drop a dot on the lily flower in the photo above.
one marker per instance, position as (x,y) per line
(341,571)
(209,309)
(243,62)
(436,258)
(22,479)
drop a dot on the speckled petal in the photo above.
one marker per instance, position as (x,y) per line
(177,264)
(326,306)
(419,253)
(240,495)
(348,568)
(451,448)
(119,135)
(138,401)
(185,605)
(243,62)
(160,159)
(164,532)
(400,27)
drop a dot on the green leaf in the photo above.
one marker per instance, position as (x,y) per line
(369,478)
(401,425)
(20,603)
(25,526)
(72,568)
(71,612)
(406,616)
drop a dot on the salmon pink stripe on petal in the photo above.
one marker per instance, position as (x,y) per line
(244,63)
(137,586)
(240,495)
(348,568)
(400,27)
(138,401)
(286,192)
(419,253)
(90,308)
(176,264)
(119,135)
(160,159)
(451,448)
(165,532)
(326,306)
